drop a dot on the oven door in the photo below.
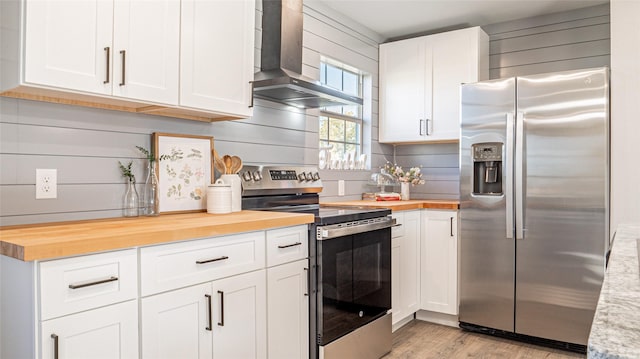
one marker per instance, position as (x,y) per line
(354,276)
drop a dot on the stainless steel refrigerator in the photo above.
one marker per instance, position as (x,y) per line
(534,161)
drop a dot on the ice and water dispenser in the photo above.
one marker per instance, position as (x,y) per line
(487,168)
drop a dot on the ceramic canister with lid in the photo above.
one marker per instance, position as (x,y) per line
(219,198)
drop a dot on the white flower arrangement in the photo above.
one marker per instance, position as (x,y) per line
(413,175)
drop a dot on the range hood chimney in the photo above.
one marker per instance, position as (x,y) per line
(280,78)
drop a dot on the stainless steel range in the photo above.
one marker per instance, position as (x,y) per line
(349,262)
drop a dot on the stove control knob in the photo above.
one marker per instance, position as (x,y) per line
(301,177)
(246,176)
(257,176)
(316,176)
(309,176)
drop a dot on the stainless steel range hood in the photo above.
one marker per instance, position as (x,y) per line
(280,78)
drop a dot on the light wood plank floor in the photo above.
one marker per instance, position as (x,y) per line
(423,340)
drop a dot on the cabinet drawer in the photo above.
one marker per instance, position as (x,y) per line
(80,283)
(287,245)
(171,266)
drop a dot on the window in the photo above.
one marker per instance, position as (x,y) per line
(340,131)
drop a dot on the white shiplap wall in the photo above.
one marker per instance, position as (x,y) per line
(561,41)
(86,144)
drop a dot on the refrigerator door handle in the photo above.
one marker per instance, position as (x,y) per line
(519,177)
(508,172)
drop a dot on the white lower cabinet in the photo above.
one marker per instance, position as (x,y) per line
(221,319)
(174,324)
(405,266)
(108,332)
(288,310)
(439,262)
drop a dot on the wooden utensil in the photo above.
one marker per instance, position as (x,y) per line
(218,163)
(227,163)
(236,164)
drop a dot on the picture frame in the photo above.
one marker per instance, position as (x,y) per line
(184,173)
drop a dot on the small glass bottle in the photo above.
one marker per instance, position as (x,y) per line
(150,199)
(131,199)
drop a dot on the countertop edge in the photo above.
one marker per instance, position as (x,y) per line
(615,332)
(109,233)
(397,205)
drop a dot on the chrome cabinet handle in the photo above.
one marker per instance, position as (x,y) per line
(124,54)
(209,321)
(55,346)
(290,245)
(427,127)
(108,50)
(88,284)
(221,322)
(306,271)
(420,128)
(212,260)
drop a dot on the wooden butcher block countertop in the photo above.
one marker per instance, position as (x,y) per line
(398,205)
(52,240)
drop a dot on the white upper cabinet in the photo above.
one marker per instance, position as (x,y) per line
(420,83)
(217,55)
(190,59)
(123,48)
(69,44)
(146,38)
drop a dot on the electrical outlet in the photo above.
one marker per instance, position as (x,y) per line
(340,187)
(46,183)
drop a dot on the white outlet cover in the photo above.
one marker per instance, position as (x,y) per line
(340,187)
(46,183)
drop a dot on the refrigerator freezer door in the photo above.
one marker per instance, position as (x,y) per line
(486,251)
(560,260)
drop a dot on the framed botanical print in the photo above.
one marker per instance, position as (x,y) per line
(185,171)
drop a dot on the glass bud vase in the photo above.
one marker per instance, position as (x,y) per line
(150,198)
(131,199)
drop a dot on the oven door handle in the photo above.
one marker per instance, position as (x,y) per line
(345,229)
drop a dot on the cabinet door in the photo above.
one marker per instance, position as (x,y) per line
(174,324)
(405,266)
(216,55)
(240,316)
(107,332)
(288,310)
(455,61)
(146,50)
(439,262)
(405,90)
(68,44)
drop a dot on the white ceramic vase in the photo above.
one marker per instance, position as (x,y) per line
(404,191)
(236,190)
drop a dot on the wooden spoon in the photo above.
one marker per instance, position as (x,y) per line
(218,163)
(236,164)
(227,163)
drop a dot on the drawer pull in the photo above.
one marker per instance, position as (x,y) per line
(55,346)
(212,260)
(88,284)
(290,245)
(221,322)
(209,320)
(306,292)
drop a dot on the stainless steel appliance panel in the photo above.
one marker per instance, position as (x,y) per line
(487,262)
(563,227)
